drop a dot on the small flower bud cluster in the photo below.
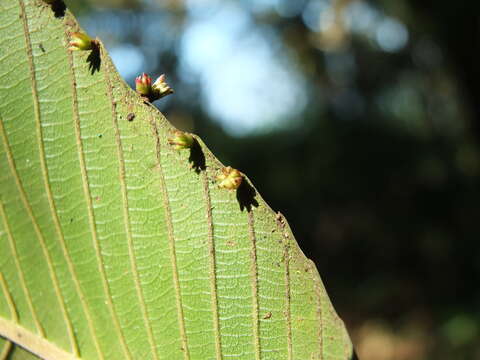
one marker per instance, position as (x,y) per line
(181,140)
(229,178)
(155,91)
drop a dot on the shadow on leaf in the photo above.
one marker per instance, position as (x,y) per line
(94,60)
(58,8)
(246,196)
(197,158)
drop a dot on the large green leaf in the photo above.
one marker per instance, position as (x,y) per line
(114,245)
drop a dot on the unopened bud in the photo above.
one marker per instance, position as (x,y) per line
(143,85)
(181,140)
(161,88)
(230,178)
(81,41)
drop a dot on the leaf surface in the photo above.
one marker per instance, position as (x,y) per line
(116,246)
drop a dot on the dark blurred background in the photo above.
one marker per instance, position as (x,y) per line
(359,121)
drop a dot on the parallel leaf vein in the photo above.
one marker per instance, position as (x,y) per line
(254,281)
(288,302)
(318,294)
(91,215)
(40,238)
(15,257)
(213,272)
(8,298)
(7,347)
(171,240)
(38,126)
(126,217)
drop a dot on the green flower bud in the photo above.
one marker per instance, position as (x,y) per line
(81,41)
(181,140)
(230,178)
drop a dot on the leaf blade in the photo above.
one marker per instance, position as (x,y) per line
(132,238)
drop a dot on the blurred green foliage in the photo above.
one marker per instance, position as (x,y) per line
(378,174)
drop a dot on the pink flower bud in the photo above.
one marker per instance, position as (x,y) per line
(143,85)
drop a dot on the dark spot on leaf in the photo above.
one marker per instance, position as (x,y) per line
(246,196)
(280,220)
(41,47)
(100,136)
(71,220)
(268,315)
(58,8)
(130,117)
(94,60)
(197,157)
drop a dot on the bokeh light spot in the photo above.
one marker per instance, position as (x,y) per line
(128,59)
(244,81)
(391,35)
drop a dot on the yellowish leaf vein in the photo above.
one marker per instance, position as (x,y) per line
(319,308)
(171,240)
(288,302)
(34,343)
(126,215)
(41,240)
(7,347)
(16,260)
(254,283)
(91,216)
(213,273)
